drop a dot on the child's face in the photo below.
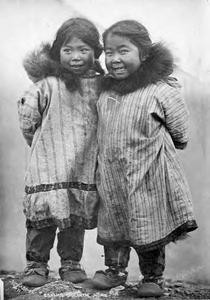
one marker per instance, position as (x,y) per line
(121,56)
(76,56)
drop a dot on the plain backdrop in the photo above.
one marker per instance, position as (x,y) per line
(184,26)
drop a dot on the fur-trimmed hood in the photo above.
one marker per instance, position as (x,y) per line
(158,66)
(39,65)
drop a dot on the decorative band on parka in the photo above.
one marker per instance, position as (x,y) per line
(60,185)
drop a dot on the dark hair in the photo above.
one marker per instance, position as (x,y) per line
(134,31)
(156,59)
(80,28)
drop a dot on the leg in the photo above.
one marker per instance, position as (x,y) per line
(39,242)
(70,245)
(152,266)
(116,258)
(70,249)
(38,245)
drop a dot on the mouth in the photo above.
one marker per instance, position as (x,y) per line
(76,66)
(118,70)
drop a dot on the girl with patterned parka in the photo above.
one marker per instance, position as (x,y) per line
(58,118)
(145,199)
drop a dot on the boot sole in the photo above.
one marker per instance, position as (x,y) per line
(33,284)
(97,283)
(146,290)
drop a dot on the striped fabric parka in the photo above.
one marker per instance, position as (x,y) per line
(60,127)
(145,198)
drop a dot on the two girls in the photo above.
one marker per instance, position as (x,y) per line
(145,199)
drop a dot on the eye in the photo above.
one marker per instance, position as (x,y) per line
(67,50)
(108,52)
(124,51)
(84,50)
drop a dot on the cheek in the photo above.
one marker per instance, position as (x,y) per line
(135,64)
(90,59)
(137,60)
(107,62)
(63,58)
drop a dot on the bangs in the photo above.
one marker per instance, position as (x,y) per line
(79,34)
(130,29)
(79,28)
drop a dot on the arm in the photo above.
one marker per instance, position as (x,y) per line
(176,116)
(30,109)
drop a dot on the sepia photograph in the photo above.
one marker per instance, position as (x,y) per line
(104,149)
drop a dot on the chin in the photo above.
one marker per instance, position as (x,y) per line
(120,77)
(78,72)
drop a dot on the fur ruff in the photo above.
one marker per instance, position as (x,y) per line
(39,65)
(157,67)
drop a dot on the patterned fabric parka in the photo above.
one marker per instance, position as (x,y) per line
(145,198)
(60,126)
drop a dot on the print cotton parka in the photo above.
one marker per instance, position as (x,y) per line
(60,127)
(145,197)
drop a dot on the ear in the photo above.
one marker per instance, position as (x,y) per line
(142,55)
(143,58)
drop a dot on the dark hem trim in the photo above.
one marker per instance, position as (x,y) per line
(179,145)
(58,186)
(171,237)
(72,221)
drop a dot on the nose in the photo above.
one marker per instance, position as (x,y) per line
(115,58)
(75,56)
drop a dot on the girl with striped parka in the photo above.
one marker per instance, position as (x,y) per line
(145,198)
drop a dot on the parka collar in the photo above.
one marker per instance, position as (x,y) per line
(157,67)
(39,65)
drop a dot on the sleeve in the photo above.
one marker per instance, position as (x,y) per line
(30,110)
(176,115)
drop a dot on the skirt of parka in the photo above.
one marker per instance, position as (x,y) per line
(145,198)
